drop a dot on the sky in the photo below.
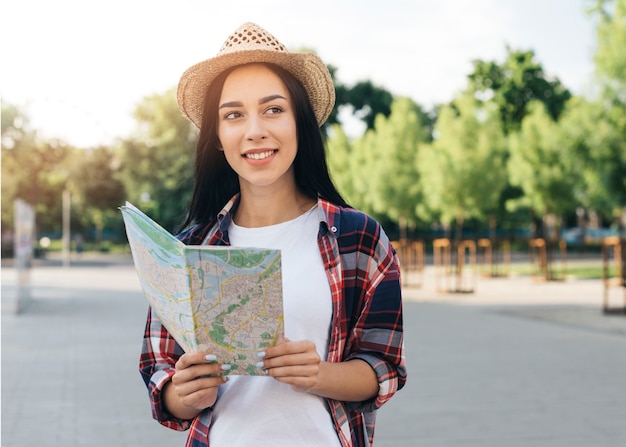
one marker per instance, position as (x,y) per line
(79,68)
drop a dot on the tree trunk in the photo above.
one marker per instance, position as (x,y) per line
(493,228)
(403,228)
(459,229)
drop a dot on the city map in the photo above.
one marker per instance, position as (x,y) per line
(221,300)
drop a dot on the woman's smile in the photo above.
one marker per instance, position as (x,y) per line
(259,155)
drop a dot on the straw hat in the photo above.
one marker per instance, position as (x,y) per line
(251,43)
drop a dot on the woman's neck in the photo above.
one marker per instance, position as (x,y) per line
(259,208)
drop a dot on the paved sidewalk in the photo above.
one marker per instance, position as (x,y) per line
(515,364)
(69,361)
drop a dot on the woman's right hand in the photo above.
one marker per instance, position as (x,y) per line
(194,385)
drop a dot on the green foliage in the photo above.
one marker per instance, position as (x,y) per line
(97,177)
(364,159)
(610,56)
(33,170)
(338,155)
(39,171)
(591,130)
(369,101)
(395,182)
(157,163)
(541,165)
(101,192)
(463,171)
(514,137)
(608,118)
(366,100)
(378,172)
(514,84)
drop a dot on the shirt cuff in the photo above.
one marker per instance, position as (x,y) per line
(387,383)
(157,382)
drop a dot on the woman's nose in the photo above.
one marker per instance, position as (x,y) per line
(256,129)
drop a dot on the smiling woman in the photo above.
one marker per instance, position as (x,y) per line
(261,180)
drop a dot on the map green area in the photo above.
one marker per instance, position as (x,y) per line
(216,299)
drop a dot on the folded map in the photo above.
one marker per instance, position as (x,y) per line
(221,300)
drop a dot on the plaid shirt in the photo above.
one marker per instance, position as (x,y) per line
(363,273)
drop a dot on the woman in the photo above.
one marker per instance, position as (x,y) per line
(261,180)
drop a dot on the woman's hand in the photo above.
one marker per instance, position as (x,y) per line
(298,364)
(295,363)
(194,385)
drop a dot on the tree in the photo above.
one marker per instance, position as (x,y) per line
(363,161)
(14,135)
(598,154)
(157,163)
(377,173)
(100,192)
(610,57)
(338,155)
(514,84)
(541,165)
(33,170)
(395,186)
(368,101)
(365,99)
(463,171)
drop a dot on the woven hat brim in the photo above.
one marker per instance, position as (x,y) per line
(308,68)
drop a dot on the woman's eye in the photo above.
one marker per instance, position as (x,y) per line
(274,110)
(232,115)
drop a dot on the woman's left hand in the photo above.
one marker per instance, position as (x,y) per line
(296,363)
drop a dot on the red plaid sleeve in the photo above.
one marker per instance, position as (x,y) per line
(159,354)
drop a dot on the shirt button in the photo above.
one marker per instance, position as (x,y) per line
(333,229)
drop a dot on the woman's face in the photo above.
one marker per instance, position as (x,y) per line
(257,127)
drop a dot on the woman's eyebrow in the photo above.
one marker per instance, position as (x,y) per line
(263,100)
(271,98)
(231,104)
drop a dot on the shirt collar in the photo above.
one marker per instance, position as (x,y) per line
(329,216)
(327,213)
(224,217)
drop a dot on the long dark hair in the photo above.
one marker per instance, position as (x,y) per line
(215,182)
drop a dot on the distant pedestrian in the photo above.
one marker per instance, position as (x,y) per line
(261,179)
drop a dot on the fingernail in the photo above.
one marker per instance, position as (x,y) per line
(210,358)
(259,365)
(225,378)
(261,354)
(226,367)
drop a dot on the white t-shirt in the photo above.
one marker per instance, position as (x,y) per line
(259,411)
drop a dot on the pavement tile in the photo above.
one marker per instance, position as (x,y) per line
(515,364)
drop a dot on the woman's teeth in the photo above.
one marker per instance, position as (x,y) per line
(259,155)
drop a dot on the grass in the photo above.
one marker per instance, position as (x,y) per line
(586,270)
(56,245)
